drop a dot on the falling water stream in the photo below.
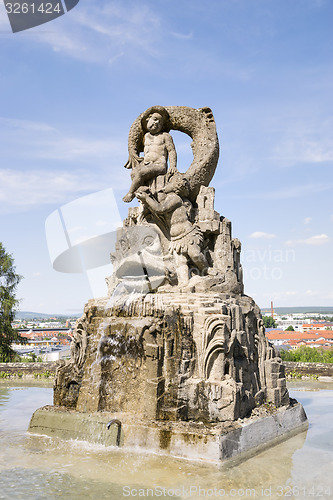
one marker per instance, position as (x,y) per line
(39,467)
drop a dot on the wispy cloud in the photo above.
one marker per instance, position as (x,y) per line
(307,220)
(298,191)
(278,297)
(283,298)
(182,36)
(21,191)
(4,21)
(262,235)
(319,239)
(138,35)
(25,181)
(291,192)
(312,293)
(42,141)
(320,3)
(102,35)
(305,142)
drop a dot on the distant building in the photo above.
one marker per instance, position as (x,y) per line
(42,341)
(31,333)
(317,326)
(312,338)
(297,324)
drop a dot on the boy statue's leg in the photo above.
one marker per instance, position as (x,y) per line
(197,257)
(182,269)
(142,174)
(128,197)
(137,178)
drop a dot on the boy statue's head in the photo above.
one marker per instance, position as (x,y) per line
(155,118)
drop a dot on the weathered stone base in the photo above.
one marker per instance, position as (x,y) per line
(317,369)
(217,442)
(21,370)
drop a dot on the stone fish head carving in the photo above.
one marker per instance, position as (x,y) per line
(138,260)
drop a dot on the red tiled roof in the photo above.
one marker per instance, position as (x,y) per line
(315,326)
(311,335)
(322,341)
(321,332)
(313,343)
(64,341)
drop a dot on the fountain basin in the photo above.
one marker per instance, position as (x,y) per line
(216,442)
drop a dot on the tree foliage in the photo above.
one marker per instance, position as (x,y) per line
(290,329)
(9,280)
(269,322)
(308,354)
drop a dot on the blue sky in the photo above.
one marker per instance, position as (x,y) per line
(71,88)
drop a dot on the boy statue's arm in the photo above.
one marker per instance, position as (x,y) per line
(172,153)
(171,202)
(133,161)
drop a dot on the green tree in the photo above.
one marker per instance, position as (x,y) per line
(8,283)
(290,329)
(269,322)
(286,355)
(308,354)
(32,357)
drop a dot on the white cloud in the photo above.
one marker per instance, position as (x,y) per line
(305,142)
(320,3)
(29,179)
(4,21)
(295,191)
(42,141)
(137,34)
(262,235)
(102,223)
(182,36)
(292,297)
(20,191)
(103,35)
(307,220)
(298,191)
(71,148)
(312,293)
(277,297)
(319,239)
(25,125)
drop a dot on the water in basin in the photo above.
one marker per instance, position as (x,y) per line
(40,467)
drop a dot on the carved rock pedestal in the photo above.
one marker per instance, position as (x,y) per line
(173,356)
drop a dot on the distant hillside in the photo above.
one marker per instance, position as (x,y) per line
(35,315)
(278,310)
(289,310)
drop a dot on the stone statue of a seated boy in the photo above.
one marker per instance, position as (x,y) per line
(158,148)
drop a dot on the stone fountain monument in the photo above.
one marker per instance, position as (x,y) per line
(175,358)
